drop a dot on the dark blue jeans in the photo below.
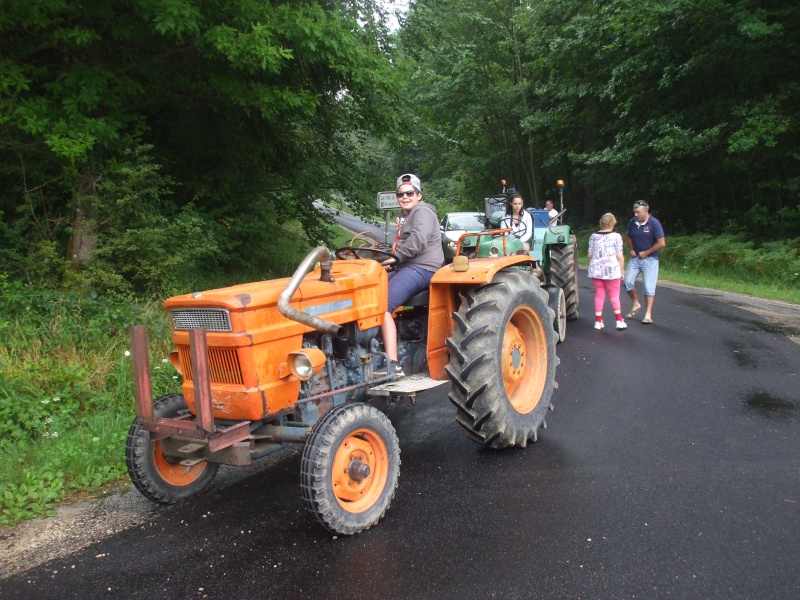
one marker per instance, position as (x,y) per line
(405,282)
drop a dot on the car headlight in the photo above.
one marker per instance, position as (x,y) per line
(451,244)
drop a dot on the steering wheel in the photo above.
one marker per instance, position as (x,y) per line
(364,253)
(523,228)
(364,239)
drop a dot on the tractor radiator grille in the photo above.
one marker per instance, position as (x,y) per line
(211,319)
(223,364)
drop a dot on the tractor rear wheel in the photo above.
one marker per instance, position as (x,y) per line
(350,467)
(558,304)
(504,330)
(564,273)
(160,478)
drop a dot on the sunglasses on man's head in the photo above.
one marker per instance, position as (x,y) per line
(410,194)
(639,204)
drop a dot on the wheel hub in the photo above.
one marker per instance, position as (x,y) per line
(524,360)
(514,353)
(516,358)
(358,471)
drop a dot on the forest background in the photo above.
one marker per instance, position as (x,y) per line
(152,147)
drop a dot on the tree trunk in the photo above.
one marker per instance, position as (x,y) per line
(83,241)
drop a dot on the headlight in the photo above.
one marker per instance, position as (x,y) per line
(451,244)
(302,366)
(306,363)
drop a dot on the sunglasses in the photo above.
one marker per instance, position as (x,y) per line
(639,203)
(410,194)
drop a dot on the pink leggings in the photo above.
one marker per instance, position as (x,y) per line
(601,286)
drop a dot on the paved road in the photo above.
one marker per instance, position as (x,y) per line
(670,469)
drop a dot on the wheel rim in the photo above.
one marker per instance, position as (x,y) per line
(362,447)
(175,473)
(562,315)
(524,356)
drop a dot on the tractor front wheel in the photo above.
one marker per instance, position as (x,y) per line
(350,467)
(161,478)
(564,274)
(503,360)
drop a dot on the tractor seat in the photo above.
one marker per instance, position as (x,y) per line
(422,298)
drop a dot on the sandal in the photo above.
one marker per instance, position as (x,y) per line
(647,321)
(633,312)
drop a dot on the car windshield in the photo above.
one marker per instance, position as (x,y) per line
(465,222)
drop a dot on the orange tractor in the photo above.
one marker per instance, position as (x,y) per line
(299,360)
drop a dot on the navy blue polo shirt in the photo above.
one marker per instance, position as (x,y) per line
(644,236)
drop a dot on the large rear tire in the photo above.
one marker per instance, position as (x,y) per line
(160,478)
(350,467)
(564,274)
(504,330)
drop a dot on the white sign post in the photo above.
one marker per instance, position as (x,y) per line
(387,201)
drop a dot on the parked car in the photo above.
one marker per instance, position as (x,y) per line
(454,225)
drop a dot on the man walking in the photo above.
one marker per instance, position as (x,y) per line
(645,239)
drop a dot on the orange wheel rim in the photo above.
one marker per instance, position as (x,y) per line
(367,448)
(175,473)
(524,360)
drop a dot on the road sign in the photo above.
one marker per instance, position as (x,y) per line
(387,201)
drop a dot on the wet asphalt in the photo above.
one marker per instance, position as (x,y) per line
(670,468)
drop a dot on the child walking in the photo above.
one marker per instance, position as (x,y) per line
(606,266)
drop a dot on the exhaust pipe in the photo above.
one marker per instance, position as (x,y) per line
(322,254)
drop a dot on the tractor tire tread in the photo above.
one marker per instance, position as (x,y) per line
(482,407)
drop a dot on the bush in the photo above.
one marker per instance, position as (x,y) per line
(66,391)
(736,257)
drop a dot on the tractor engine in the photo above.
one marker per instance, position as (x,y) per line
(358,358)
(350,362)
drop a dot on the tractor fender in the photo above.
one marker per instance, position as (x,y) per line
(556,234)
(446,287)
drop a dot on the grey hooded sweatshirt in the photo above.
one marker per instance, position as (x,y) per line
(420,241)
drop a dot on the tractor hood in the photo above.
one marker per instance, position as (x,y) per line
(358,293)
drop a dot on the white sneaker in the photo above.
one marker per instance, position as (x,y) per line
(622,325)
(599,324)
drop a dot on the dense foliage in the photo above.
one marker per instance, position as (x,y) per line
(144,142)
(692,105)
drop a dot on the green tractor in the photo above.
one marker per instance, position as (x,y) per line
(552,245)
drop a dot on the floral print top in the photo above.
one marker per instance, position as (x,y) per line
(604,247)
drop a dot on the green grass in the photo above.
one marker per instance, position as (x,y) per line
(66,392)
